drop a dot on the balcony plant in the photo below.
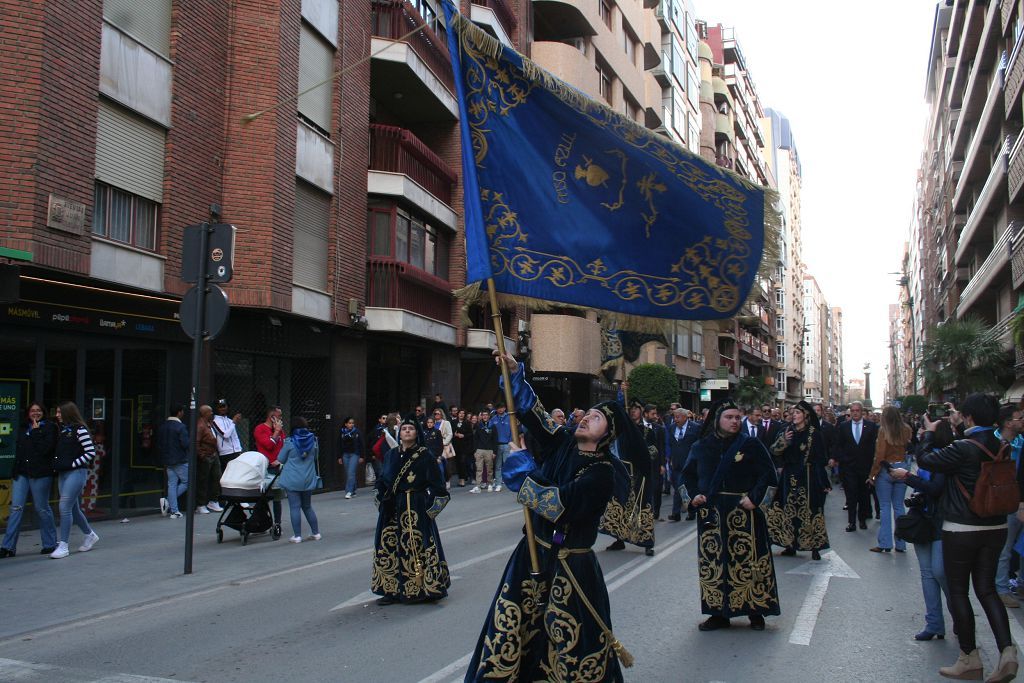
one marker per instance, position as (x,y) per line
(754,391)
(963,356)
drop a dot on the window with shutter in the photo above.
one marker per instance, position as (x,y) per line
(148,21)
(316,64)
(130,152)
(309,248)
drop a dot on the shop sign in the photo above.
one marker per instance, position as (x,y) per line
(715,384)
(66,215)
(11,406)
(88,320)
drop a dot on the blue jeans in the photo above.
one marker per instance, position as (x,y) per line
(351,463)
(300,502)
(499,459)
(933,584)
(177,484)
(1013,527)
(39,487)
(70,484)
(890,498)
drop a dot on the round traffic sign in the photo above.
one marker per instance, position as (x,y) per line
(215,316)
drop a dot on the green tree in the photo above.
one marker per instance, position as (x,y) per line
(914,403)
(963,356)
(653,383)
(753,391)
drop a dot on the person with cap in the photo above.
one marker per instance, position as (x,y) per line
(796,518)
(630,513)
(556,625)
(408,560)
(229,445)
(728,473)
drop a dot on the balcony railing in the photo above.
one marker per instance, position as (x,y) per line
(1001,330)
(727,362)
(995,261)
(397,150)
(393,19)
(1005,12)
(502,11)
(1014,77)
(392,284)
(1017,254)
(988,191)
(1015,173)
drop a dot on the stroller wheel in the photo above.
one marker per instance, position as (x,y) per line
(220,535)
(276,532)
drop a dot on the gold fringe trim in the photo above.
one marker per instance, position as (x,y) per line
(771,250)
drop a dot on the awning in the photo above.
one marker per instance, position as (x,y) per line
(1015,394)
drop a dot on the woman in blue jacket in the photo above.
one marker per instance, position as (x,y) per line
(299,477)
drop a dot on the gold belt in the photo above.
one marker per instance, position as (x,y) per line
(564,552)
(730,493)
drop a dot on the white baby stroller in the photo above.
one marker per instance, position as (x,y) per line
(247,492)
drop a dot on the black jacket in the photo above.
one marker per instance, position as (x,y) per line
(172,443)
(961,461)
(853,455)
(485,437)
(33,456)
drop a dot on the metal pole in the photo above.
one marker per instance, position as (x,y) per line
(199,332)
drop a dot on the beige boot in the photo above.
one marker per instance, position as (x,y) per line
(967,668)
(1007,669)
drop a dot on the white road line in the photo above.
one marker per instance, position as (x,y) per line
(617,577)
(367,596)
(31,672)
(803,627)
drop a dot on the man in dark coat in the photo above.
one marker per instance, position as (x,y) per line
(854,450)
(682,434)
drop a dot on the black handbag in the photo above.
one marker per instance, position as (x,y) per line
(915,527)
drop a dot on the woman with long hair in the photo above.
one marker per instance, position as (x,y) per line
(32,474)
(300,477)
(73,455)
(890,451)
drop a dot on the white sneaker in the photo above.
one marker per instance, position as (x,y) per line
(497,488)
(448,486)
(202,510)
(314,537)
(89,542)
(214,506)
(347,496)
(60,552)
(475,489)
(163,507)
(175,515)
(491,487)
(295,539)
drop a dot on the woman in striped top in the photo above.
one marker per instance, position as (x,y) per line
(74,454)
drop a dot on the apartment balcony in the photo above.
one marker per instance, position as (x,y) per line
(662,71)
(1001,331)
(405,300)
(723,127)
(568,63)
(497,15)
(403,166)
(565,344)
(417,72)
(727,363)
(1017,255)
(753,350)
(1014,78)
(987,123)
(991,188)
(724,162)
(995,265)
(1005,12)
(1015,174)
(555,20)
(485,340)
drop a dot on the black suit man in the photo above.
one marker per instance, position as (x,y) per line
(854,449)
(682,434)
(754,426)
(654,435)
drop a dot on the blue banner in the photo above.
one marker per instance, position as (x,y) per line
(567,201)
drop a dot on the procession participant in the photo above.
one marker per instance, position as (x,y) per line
(630,515)
(654,435)
(796,518)
(557,626)
(727,473)
(408,560)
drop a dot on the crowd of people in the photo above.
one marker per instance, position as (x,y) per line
(751,477)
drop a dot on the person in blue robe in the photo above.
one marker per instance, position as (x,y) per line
(727,475)
(556,625)
(408,560)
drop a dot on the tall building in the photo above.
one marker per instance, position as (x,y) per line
(836,380)
(815,340)
(138,119)
(733,136)
(897,370)
(963,257)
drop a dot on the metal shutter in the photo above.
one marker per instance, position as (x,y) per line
(316,63)
(148,21)
(309,248)
(130,152)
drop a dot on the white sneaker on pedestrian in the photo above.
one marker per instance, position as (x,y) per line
(295,539)
(348,495)
(202,510)
(175,515)
(60,552)
(475,489)
(497,488)
(89,542)
(314,537)
(490,487)
(163,507)
(214,506)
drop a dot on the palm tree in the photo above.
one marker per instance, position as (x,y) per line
(752,391)
(965,356)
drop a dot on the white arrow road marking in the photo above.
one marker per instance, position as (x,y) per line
(367,596)
(821,571)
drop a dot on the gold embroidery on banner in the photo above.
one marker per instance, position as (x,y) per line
(709,562)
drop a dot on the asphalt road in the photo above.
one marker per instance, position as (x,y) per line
(275,611)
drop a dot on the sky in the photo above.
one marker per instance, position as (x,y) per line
(850,77)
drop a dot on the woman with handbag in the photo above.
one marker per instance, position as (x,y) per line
(922,526)
(444,427)
(300,476)
(890,452)
(73,455)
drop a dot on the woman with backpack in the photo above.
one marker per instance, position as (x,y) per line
(73,455)
(300,477)
(973,533)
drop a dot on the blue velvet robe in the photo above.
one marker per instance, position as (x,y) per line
(796,518)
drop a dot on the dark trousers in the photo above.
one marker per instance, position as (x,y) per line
(972,557)
(207,480)
(462,463)
(858,498)
(655,483)
(676,479)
